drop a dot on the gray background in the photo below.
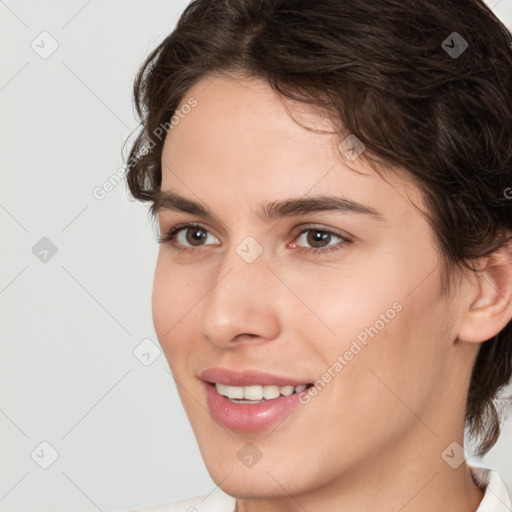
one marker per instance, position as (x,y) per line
(72,320)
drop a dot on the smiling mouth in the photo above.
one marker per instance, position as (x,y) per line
(256,394)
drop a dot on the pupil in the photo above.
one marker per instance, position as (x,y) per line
(196,236)
(316,238)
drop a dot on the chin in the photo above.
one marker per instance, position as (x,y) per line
(266,479)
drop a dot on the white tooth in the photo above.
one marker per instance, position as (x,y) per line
(253,392)
(256,393)
(235,391)
(270,392)
(221,388)
(286,390)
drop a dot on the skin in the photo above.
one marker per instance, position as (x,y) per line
(372,439)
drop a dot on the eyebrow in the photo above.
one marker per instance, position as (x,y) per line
(170,201)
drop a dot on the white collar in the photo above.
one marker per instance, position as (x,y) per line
(496,497)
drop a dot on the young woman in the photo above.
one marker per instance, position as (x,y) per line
(333,186)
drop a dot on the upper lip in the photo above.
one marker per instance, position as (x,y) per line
(231,377)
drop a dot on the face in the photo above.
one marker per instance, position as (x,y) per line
(271,288)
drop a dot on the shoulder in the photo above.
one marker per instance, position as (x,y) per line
(496,494)
(218,502)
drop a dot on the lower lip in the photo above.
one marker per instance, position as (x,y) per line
(249,417)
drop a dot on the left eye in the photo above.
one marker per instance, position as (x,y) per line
(319,238)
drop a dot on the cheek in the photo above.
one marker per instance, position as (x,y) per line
(172,306)
(391,337)
(176,290)
(163,300)
(348,300)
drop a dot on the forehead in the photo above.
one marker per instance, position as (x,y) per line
(234,116)
(245,136)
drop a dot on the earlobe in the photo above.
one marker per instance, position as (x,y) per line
(491,307)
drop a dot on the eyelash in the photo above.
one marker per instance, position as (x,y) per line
(170,236)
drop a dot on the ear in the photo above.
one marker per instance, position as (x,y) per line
(490,301)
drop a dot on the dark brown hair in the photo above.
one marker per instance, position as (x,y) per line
(388,71)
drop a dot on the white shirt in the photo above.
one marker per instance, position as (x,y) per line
(496,497)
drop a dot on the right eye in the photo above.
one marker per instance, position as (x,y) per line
(185,237)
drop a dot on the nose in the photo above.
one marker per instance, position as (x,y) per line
(242,303)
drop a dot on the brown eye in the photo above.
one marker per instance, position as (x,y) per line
(318,238)
(189,236)
(195,236)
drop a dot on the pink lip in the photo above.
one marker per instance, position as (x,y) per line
(247,378)
(247,417)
